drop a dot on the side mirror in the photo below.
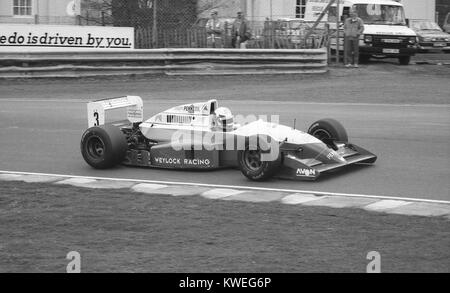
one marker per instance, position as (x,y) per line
(407,21)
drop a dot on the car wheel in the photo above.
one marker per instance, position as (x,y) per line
(103,146)
(328,129)
(253,167)
(404,60)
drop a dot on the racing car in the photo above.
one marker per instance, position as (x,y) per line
(204,136)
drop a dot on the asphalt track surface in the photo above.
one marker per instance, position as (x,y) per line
(399,113)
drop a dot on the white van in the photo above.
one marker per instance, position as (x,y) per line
(386,34)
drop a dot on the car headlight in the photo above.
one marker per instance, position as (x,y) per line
(368,39)
(412,40)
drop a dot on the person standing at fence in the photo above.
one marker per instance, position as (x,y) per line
(214,31)
(240,31)
(353,28)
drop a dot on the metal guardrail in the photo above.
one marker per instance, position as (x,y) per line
(25,64)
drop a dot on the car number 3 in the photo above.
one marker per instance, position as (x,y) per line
(96,119)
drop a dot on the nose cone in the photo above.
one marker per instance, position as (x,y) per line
(323,153)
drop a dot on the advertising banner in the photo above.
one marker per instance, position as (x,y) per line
(65,37)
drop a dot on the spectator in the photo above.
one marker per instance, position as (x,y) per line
(240,31)
(214,31)
(353,28)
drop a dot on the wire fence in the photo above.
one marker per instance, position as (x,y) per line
(176,24)
(180,24)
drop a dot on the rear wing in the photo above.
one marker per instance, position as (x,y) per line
(96,110)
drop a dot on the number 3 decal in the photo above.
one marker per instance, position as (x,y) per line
(96,119)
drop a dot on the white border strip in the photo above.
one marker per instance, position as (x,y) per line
(234,187)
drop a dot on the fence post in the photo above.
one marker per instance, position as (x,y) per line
(327,42)
(148,38)
(155,27)
(337,31)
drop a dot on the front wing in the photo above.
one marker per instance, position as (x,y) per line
(294,168)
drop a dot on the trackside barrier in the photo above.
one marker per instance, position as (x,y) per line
(30,63)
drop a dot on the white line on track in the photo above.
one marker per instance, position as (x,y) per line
(241,102)
(234,187)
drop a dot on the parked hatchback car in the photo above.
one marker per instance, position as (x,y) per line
(431,36)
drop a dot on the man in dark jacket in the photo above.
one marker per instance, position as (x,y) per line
(353,28)
(240,31)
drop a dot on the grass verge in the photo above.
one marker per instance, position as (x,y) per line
(121,231)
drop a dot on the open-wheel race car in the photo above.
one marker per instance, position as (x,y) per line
(205,136)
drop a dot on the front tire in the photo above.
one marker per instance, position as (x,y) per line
(103,146)
(328,129)
(253,167)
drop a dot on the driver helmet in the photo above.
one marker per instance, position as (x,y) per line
(224,118)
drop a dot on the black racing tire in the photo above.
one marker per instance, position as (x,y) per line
(103,146)
(253,168)
(404,60)
(328,129)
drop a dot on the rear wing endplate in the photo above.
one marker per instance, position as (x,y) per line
(96,109)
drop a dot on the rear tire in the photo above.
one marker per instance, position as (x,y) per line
(253,168)
(103,146)
(404,60)
(328,129)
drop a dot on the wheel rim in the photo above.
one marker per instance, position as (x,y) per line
(95,147)
(252,160)
(321,134)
